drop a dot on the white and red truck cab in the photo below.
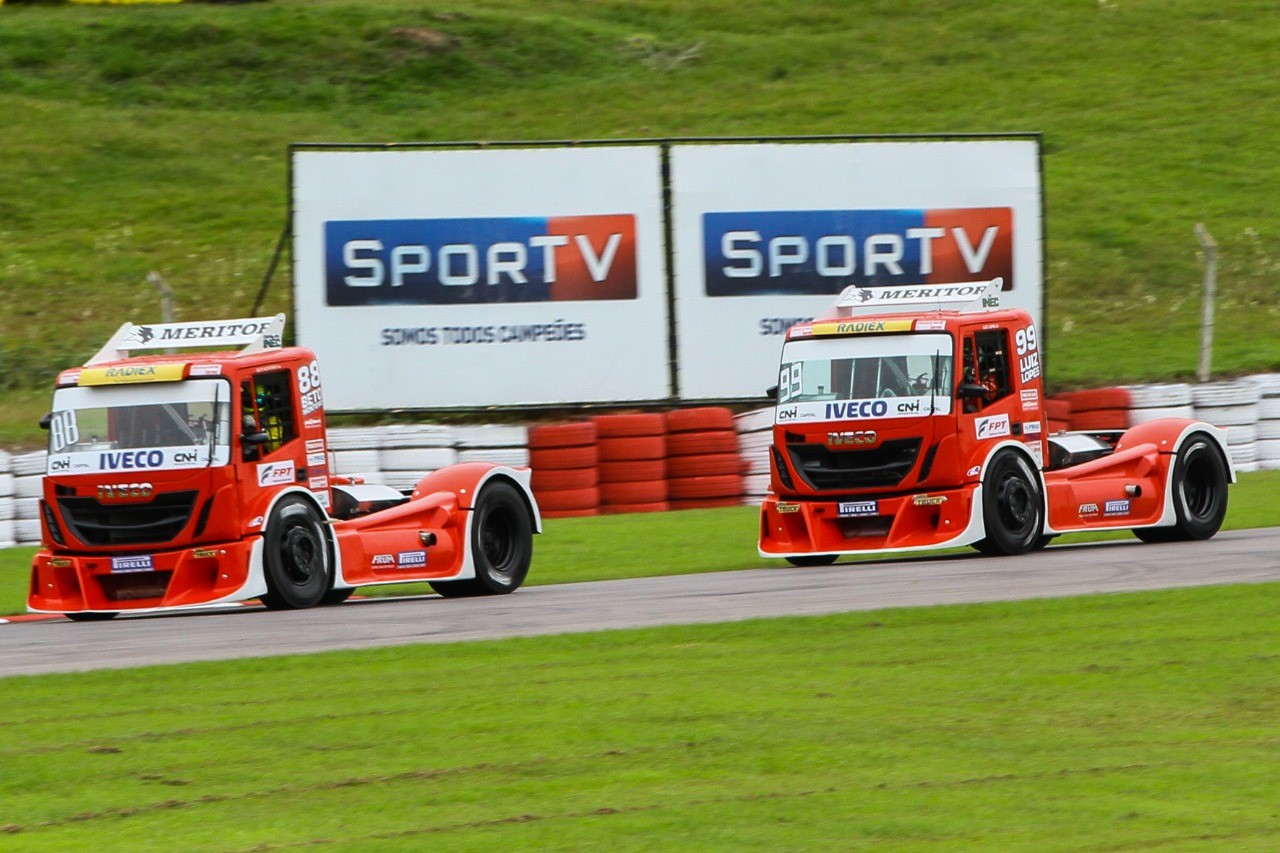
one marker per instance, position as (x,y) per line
(914,419)
(181,479)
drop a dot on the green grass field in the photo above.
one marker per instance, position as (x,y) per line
(1142,721)
(154,138)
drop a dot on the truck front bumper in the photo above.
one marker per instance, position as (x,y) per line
(906,522)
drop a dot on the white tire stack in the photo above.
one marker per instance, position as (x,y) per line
(353,452)
(1152,402)
(411,451)
(495,443)
(1234,406)
(28,471)
(1268,420)
(8,534)
(755,434)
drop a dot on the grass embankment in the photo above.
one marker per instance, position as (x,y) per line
(154,138)
(571,550)
(1134,721)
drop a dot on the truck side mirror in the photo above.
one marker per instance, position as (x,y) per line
(772,393)
(46,420)
(971,390)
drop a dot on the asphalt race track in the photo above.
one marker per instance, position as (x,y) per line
(1242,556)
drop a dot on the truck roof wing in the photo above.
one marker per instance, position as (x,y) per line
(962,296)
(252,334)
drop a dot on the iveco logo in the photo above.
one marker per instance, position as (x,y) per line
(863,438)
(120,491)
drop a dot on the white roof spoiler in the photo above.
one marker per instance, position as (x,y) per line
(253,334)
(962,296)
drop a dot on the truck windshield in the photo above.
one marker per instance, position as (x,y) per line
(153,427)
(861,377)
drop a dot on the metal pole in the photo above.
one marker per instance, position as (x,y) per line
(1210,283)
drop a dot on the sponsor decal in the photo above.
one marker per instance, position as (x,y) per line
(318,483)
(1120,507)
(312,423)
(495,259)
(856,409)
(859,438)
(993,426)
(974,471)
(315,445)
(862,327)
(231,331)
(205,370)
(204,553)
(315,459)
(411,559)
(929,500)
(122,565)
(786,508)
(60,563)
(1031,428)
(127,459)
(1030,398)
(276,473)
(131,373)
(122,491)
(779,325)
(786,413)
(857,509)
(256,521)
(908,407)
(322,498)
(750,253)
(931,325)
(1088,509)
(58,464)
(383,560)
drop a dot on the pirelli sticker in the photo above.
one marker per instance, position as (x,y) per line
(861,327)
(127,374)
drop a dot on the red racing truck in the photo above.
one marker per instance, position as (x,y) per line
(914,419)
(180,479)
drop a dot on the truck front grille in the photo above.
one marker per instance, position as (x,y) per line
(155,522)
(879,467)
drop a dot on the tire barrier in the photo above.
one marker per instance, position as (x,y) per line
(704,463)
(565,459)
(633,462)
(1098,409)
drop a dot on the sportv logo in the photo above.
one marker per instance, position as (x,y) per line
(506,259)
(822,251)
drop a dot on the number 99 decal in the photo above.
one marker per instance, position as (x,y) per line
(790,381)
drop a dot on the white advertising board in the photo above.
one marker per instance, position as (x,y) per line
(440,278)
(767,235)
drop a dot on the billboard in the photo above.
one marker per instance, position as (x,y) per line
(428,278)
(766,235)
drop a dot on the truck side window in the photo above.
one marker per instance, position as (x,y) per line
(269,402)
(986,362)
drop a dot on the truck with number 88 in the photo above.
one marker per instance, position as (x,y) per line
(913,419)
(180,477)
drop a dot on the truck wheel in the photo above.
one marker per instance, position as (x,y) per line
(1199,494)
(337,596)
(810,560)
(1012,507)
(501,544)
(295,556)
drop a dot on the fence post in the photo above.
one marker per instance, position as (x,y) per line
(1210,283)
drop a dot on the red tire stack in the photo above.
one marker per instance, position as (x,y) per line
(704,468)
(565,460)
(1057,411)
(1099,409)
(633,466)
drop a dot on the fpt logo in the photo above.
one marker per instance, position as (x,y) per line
(751,253)
(501,259)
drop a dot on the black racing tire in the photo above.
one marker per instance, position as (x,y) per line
(811,560)
(1012,507)
(336,596)
(295,556)
(1199,479)
(90,616)
(501,544)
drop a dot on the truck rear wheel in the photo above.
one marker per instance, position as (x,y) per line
(1012,507)
(501,544)
(295,556)
(1199,494)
